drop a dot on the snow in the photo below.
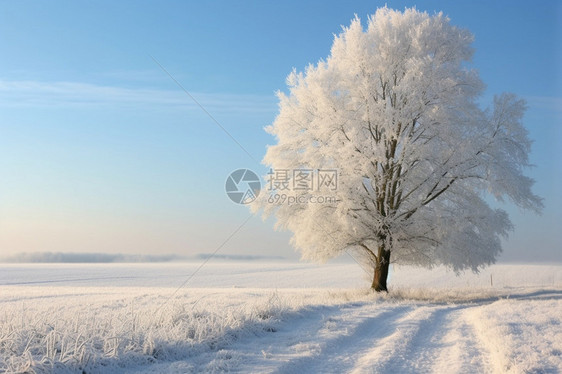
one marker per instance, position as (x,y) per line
(277,317)
(394,112)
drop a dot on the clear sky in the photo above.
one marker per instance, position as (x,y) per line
(101,151)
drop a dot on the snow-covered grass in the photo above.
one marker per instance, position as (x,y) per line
(523,335)
(98,329)
(108,319)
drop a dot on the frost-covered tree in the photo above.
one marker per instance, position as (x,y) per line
(394,109)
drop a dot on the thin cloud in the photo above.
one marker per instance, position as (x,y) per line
(63,94)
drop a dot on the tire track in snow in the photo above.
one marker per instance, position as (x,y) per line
(395,352)
(463,351)
(434,339)
(387,338)
(347,336)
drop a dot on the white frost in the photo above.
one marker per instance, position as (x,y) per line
(394,109)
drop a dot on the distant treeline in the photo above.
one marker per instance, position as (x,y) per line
(60,257)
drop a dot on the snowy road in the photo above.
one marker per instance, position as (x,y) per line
(372,338)
(389,337)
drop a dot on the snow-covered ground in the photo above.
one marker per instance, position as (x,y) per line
(277,318)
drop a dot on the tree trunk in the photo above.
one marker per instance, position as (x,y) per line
(381,270)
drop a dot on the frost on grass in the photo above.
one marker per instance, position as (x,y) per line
(104,333)
(523,336)
(109,335)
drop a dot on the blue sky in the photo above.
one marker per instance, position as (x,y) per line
(100,151)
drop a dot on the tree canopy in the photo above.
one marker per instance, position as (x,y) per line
(395,110)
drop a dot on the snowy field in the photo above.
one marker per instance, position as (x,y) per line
(277,318)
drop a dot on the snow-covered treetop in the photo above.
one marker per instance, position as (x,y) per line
(394,110)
